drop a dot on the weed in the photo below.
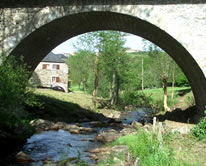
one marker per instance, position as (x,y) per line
(146,148)
(199,130)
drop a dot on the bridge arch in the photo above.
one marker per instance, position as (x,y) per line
(40,42)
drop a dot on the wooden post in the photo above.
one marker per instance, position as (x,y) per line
(159,137)
(154,124)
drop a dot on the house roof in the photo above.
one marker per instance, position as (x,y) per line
(51,57)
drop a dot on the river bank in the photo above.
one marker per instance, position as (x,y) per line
(60,120)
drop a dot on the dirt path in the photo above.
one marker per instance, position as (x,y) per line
(180,104)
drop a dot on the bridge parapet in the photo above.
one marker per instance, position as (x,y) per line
(185,23)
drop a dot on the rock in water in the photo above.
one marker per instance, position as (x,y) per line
(21,157)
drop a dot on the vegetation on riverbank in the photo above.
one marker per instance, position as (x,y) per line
(199,130)
(176,150)
(60,106)
(15,93)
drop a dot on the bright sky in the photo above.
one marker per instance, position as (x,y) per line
(132,41)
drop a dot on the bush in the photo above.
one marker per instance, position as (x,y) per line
(199,131)
(190,100)
(147,148)
(14,86)
(135,98)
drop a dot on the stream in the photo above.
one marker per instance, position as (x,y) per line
(61,144)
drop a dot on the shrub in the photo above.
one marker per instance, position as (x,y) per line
(190,100)
(135,98)
(199,130)
(17,128)
(147,148)
(14,86)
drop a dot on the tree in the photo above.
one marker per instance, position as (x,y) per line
(15,89)
(162,66)
(112,61)
(107,48)
(80,67)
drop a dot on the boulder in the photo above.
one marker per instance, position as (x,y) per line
(85,130)
(182,128)
(136,124)
(108,136)
(128,131)
(23,158)
(103,153)
(74,131)
(41,125)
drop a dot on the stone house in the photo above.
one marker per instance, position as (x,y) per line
(52,72)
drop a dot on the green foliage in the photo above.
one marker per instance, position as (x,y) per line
(119,71)
(64,159)
(135,98)
(110,161)
(181,79)
(10,123)
(190,100)
(15,93)
(81,67)
(199,130)
(14,85)
(146,148)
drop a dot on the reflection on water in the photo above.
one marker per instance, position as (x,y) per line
(59,145)
(138,115)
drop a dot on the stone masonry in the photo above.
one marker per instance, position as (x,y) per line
(43,77)
(178,28)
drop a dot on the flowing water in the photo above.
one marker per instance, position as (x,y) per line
(60,145)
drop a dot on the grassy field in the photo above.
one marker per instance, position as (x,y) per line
(157,93)
(182,95)
(60,106)
(78,97)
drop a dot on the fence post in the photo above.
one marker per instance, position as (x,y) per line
(154,124)
(159,137)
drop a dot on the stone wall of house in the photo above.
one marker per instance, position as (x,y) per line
(43,77)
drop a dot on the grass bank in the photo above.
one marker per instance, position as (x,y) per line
(157,95)
(60,106)
(176,150)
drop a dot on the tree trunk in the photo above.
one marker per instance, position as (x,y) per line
(84,84)
(173,80)
(164,82)
(96,82)
(173,84)
(79,84)
(113,87)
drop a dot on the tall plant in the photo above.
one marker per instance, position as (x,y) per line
(14,85)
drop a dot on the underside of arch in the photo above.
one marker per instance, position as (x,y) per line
(40,42)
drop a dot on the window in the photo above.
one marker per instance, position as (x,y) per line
(55,79)
(55,67)
(45,66)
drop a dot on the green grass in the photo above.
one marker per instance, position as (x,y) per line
(60,106)
(80,98)
(157,95)
(146,147)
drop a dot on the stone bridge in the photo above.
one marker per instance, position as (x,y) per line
(33,28)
